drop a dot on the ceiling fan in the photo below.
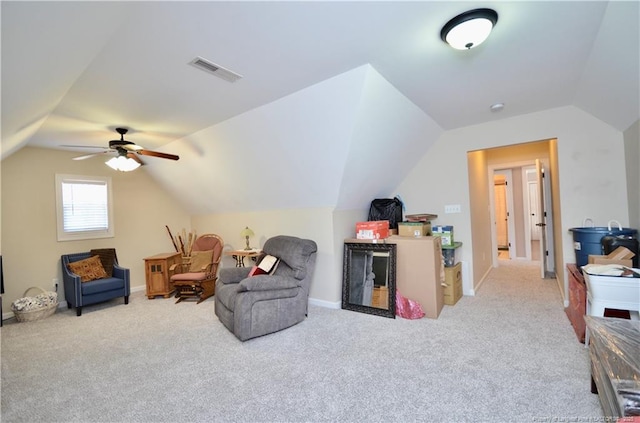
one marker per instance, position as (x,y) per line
(124,148)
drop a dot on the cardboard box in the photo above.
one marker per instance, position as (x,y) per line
(418,270)
(422,217)
(444,232)
(375,229)
(415,229)
(620,255)
(453,282)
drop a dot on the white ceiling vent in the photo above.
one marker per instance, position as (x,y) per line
(214,69)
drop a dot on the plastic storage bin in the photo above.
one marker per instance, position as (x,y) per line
(449,254)
(587,240)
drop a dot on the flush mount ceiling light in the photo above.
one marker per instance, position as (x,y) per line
(469,29)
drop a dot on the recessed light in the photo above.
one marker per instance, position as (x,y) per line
(497,107)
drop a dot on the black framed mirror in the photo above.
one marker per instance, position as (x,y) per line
(369,278)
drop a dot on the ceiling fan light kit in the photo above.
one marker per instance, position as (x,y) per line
(469,29)
(122,164)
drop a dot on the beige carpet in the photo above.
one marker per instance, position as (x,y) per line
(508,354)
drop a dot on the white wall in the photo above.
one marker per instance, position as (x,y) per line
(31,252)
(591,165)
(632,161)
(324,226)
(314,224)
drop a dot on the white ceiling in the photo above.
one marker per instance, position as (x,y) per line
(73,71)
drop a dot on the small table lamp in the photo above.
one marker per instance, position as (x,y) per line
(246,233)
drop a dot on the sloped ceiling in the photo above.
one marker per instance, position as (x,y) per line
(74,71)
(336,144)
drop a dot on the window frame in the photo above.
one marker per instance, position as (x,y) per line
(90,234)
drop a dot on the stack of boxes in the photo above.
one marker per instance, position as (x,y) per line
(452,270)
(416,226)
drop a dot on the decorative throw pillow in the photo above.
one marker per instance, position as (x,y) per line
(107,257)
(88,269)
(255,270)
(266,266)
(200,260)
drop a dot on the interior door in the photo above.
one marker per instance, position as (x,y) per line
(503,210)
(541,219)
(500,196)
(534,207)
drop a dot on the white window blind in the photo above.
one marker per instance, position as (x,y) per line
(84,207)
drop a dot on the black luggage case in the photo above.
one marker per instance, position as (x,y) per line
(611,242)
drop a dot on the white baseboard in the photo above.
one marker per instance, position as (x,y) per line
(138,288)
(325,304)
(484,277)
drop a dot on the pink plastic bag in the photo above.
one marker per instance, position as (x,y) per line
(408,309)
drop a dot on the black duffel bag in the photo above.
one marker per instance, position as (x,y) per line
(386,209)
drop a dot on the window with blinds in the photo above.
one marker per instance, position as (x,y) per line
(84,207)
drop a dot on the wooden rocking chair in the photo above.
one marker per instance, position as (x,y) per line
(198,276)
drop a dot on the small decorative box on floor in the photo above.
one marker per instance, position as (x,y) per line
(375,229)
(445,232)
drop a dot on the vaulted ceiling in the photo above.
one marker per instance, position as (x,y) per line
(74,71)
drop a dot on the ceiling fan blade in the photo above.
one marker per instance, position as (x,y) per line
(88,156)
(158,154)
(132,147)
(84,146)
(135,157)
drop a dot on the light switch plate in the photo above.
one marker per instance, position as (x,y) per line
(452,208)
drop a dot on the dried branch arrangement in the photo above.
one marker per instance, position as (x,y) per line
(183,242)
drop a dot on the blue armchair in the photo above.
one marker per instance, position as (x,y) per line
(79,294)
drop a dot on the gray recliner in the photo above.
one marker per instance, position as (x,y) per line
(262,304)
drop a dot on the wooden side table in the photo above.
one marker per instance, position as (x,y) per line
(239,255)
(158,275)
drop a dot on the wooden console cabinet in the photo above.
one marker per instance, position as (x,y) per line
(158,275)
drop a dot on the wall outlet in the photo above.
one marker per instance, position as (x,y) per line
(452,208)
